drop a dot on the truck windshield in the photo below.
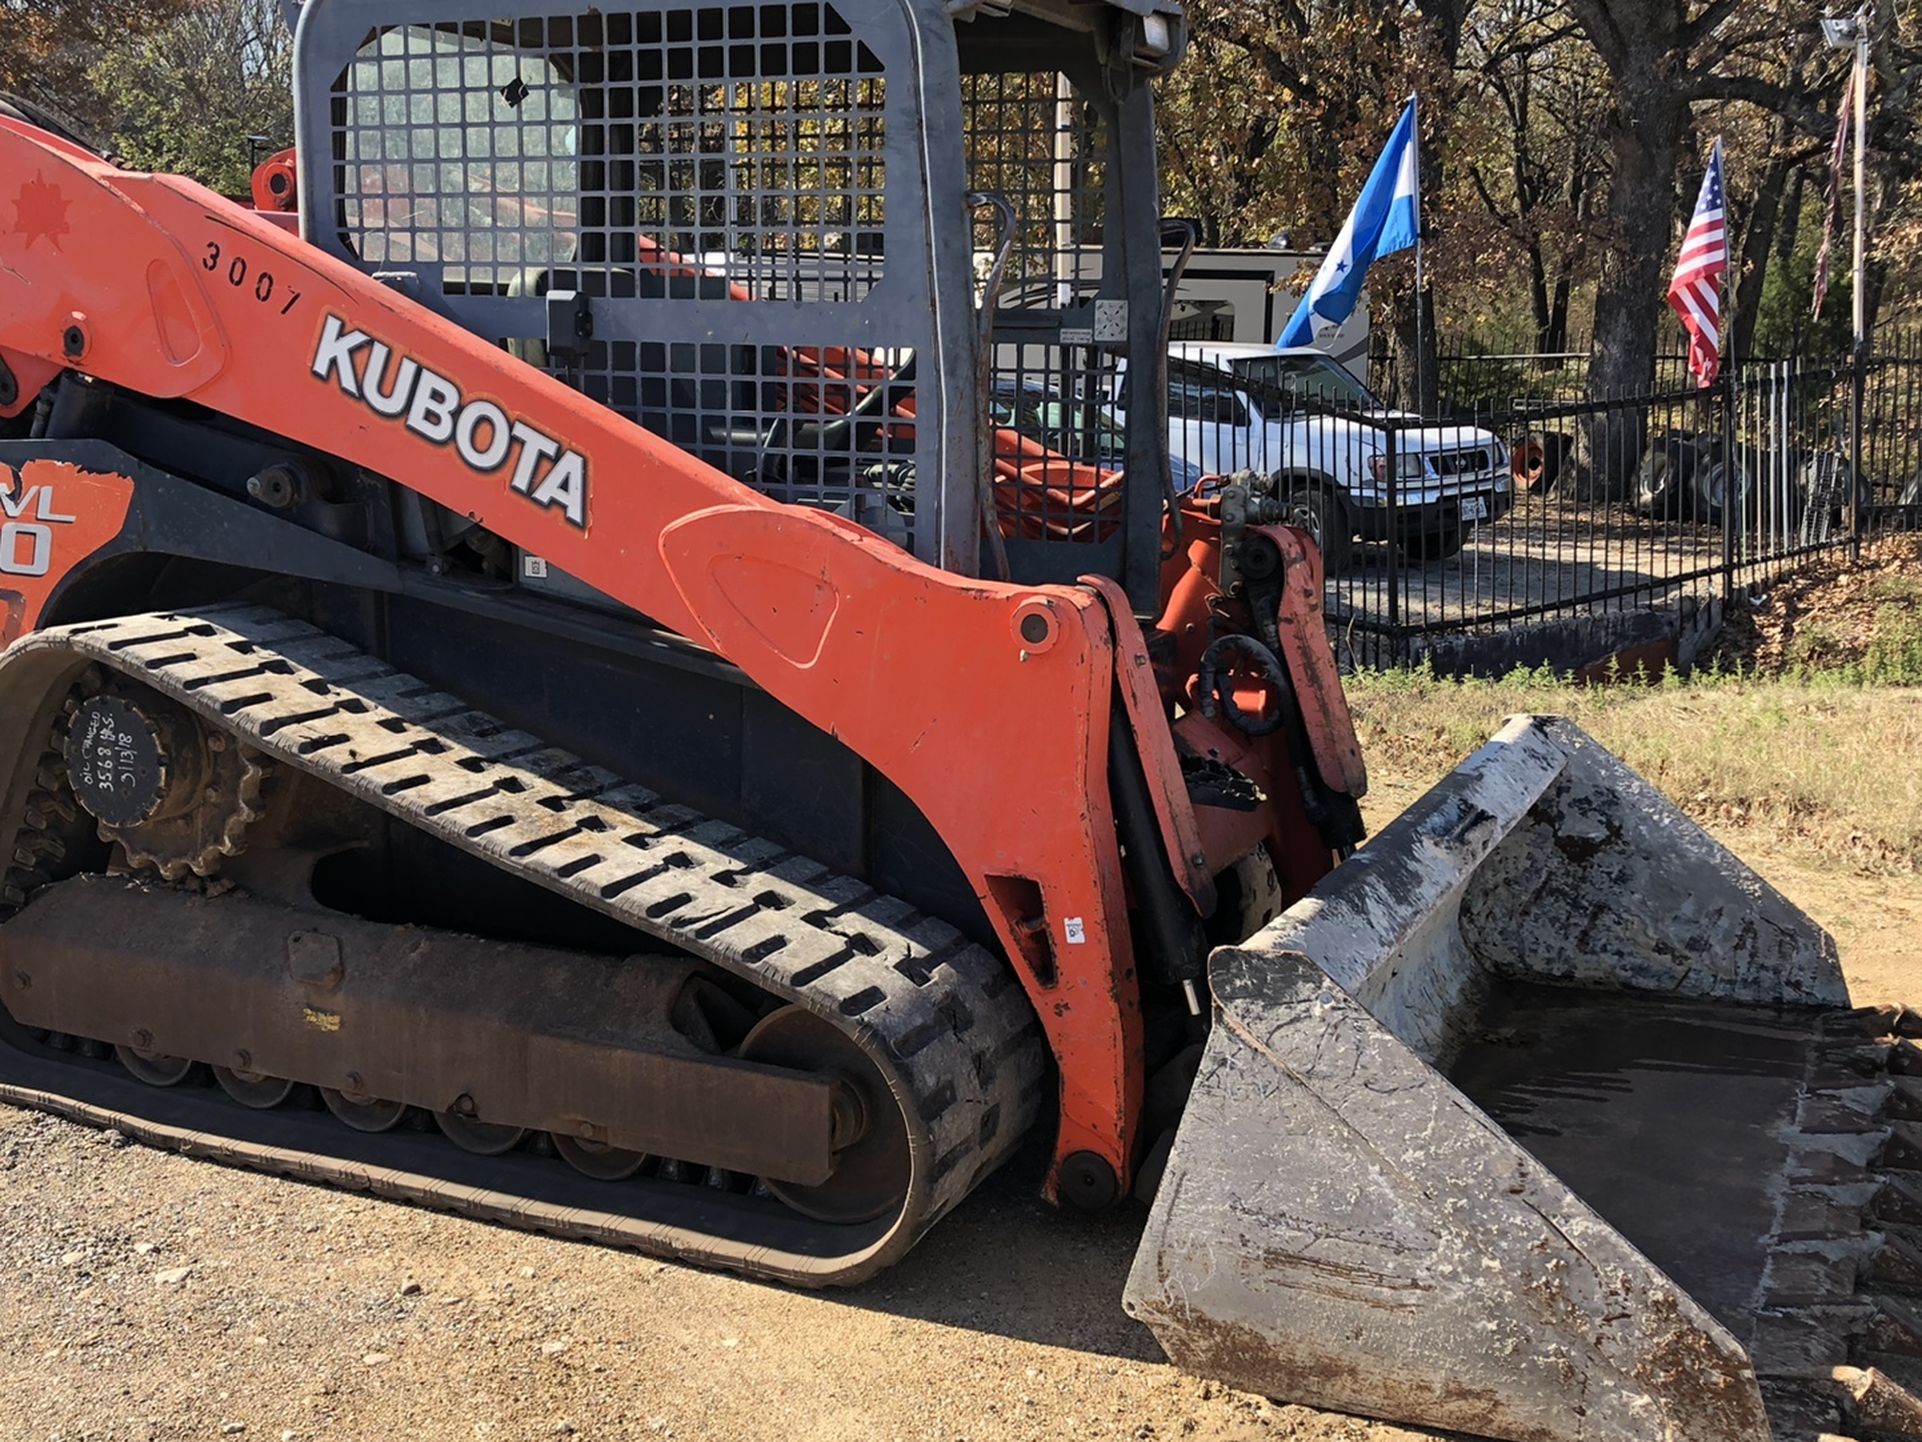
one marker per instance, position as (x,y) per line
(1312,378)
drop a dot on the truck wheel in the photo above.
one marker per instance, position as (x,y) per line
(1665,479)
(1435,546)
(1908,506)
(1321,514)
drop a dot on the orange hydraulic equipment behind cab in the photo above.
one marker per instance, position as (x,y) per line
(624,656)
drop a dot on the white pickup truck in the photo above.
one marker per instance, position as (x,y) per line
(1296,416)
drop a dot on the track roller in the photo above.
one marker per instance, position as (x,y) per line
(253,1089)
(156,1069)
(597,1159)
(362,1112)
(483,1139)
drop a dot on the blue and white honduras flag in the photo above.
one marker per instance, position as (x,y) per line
(1386,219)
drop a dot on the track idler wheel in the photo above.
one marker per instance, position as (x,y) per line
(873,1160)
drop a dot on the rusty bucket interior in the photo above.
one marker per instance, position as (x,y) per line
(1544,1117)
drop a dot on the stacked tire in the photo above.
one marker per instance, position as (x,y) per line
(1665,482)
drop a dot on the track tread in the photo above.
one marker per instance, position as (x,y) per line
(960,1043)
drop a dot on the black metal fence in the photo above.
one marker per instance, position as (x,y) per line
(1533,523)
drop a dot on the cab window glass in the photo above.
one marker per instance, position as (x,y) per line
(460,150)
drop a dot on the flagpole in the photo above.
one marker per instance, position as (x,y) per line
(1728,283)
(1859,354)
(1421,276)
(1734,507)
(1864,20)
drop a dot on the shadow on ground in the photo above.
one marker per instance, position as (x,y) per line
(997,1264)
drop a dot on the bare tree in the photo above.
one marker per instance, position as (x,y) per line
(1542,172)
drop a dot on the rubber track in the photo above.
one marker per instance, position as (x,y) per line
(945,1019)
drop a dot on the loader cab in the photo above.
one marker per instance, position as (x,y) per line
(805,240)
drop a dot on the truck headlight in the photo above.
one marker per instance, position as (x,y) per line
(1409,466)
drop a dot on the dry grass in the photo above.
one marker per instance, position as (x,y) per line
(1831,769)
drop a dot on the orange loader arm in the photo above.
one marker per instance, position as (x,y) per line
(988,704)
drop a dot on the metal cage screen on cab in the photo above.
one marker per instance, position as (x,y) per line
(747,228)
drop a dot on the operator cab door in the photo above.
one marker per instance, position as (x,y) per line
(706,218)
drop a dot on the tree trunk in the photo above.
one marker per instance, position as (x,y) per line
(1634,277)
(1886,182)
(1556,340)
(1418,384)
(1540,302)
(1790,230)
(1629,301)
(1415,366)
(1758,243)
(1639,42)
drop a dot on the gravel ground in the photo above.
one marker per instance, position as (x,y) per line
(146,1296)
(152,1297)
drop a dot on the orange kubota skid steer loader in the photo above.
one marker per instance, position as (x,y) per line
(545,678)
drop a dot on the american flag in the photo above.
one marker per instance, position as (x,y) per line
(1696,291)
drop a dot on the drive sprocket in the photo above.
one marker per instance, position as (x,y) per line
(176,796)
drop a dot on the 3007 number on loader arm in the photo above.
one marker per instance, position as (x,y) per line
(534,688)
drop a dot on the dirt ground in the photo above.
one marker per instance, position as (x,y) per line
(145,1296)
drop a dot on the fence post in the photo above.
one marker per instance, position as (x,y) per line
(1733,497)
(1858,368)
(1391,473)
